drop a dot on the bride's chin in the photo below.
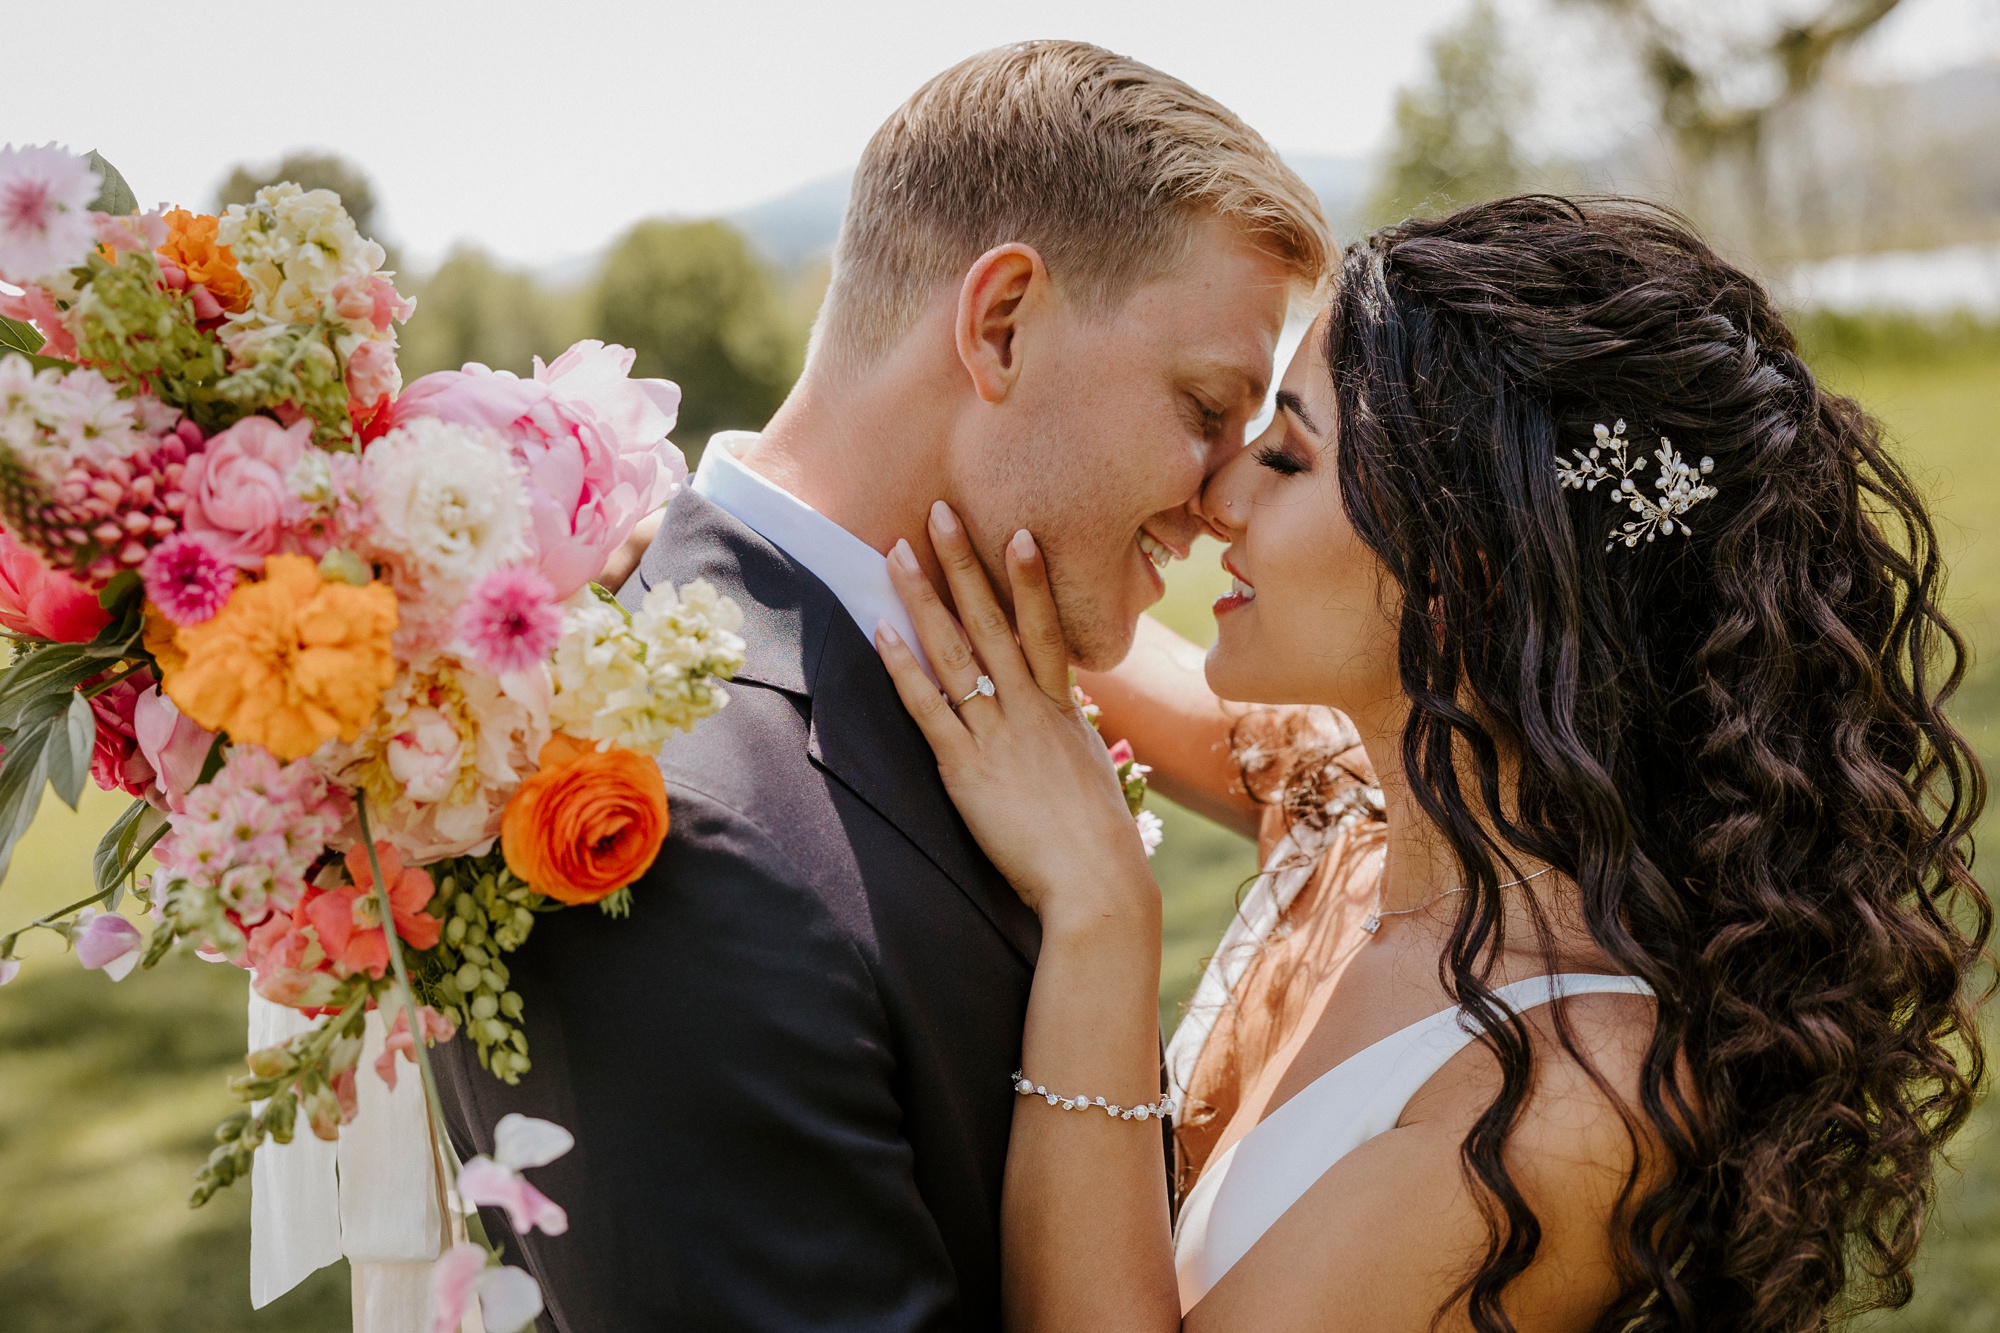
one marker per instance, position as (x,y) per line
(1232,674)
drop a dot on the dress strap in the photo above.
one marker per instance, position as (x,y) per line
(1258,1178)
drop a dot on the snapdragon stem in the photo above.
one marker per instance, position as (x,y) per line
(474,1228)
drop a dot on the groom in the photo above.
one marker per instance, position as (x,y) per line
(1055,299)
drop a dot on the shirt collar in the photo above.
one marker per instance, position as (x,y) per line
(855,572)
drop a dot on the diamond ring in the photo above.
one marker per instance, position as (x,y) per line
(982,689)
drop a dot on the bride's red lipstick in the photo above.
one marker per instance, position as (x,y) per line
(1237,597)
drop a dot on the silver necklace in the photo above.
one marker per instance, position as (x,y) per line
(1373,921)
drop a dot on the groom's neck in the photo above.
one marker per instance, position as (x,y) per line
(866,454)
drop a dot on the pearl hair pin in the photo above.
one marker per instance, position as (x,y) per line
(1158,1110)
(1681,484)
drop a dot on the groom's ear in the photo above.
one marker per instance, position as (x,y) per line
(1000,287)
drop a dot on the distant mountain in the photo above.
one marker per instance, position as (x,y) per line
(804,222)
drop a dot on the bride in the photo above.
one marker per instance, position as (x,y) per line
(1626,988)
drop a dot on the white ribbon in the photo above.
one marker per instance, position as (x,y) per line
(372,1197)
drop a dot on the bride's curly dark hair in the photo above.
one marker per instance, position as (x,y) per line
(1731,738)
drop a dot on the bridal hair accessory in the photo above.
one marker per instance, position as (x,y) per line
(1158,1110)
(981,688)
(1680,482)
(1373,921)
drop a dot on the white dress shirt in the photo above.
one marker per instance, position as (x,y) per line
(856,572)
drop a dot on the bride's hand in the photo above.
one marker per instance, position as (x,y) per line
(1032,778)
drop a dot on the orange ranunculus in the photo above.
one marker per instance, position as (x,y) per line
(587,823)
(289,662)
(192,246)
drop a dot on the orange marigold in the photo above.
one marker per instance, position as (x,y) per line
(289,662)
(192,246)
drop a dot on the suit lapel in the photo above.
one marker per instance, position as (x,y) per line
(800,640)
(863,736)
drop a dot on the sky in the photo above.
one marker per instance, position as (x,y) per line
(543,130)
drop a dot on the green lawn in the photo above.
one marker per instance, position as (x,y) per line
(107,1091)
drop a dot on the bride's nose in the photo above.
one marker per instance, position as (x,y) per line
(1225,501)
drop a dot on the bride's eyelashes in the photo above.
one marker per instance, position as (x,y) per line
(1282,458)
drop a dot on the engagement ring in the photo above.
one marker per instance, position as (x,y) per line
(983,687)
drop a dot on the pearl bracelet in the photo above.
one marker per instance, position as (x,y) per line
(1158,1110)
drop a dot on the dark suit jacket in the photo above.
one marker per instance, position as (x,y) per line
(787,1070)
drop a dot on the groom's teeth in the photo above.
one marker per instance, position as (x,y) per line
(1243,590)
(1156,552)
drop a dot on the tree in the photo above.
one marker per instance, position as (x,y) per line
(1454,140)
(1721,75)
(701,309)
(472,309)
(312,171)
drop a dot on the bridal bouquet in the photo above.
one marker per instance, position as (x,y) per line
(337,637)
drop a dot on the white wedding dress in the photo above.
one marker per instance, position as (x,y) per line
(1246,1188)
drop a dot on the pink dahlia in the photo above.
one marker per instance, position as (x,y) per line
(45,219)
(511,622)
(187,579)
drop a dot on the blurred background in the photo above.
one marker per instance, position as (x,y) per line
(672,179)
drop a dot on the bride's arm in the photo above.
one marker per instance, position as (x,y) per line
(1085,1231)
(1158,698)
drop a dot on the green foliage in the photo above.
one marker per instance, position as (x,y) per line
(133,330)
(309,171)
(488,911)
(1893,339)
(473,309)
(702,310)
(1454,141)
(114,196)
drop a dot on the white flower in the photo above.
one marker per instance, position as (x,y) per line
(45,220)
(447,748)
(293,246)
(48,419)
(635,683)
(446,505)
(1151,831)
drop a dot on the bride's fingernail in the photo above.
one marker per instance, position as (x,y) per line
(946,521)
(885,634)
(903,555)
(1023,546)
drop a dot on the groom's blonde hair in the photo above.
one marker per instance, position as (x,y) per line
(1100,163)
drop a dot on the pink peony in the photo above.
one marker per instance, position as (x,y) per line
(187,579)
(116,762)
(108,942)
(239,489)
(175,746)
(45,602)
(593,441)
(511,622)
(372,373)
(45,219)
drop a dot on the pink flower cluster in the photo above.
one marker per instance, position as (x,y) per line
(593,443)
(251,834)
(107,514)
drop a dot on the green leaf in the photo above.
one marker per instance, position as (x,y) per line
(18,337)
(115,845)
(123,846)
(23,772)
(114,196)
(125,583)
(42,676)
(70,744)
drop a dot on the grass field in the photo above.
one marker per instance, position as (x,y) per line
(107,1091)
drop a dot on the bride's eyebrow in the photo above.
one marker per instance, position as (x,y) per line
(1291,402)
